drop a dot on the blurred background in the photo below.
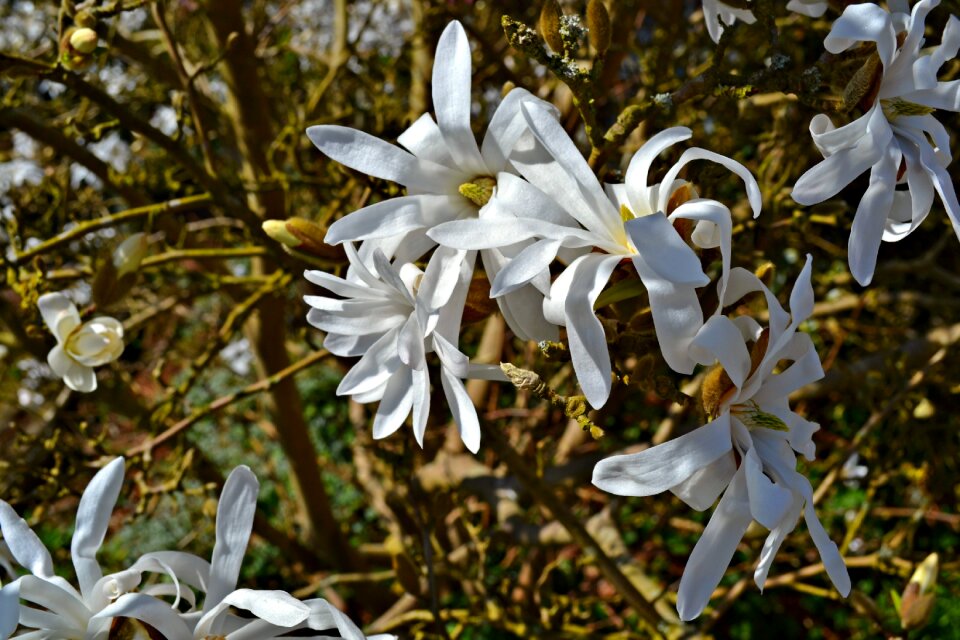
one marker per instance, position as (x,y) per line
(186,123)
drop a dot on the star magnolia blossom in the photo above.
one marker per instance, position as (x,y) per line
(394,316)
(446,174)
(627,222)
(80,346)
(747,452)
(718,14)
(893,138)
(91,612)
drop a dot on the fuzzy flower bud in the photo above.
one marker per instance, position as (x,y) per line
(84,40)
(550,15)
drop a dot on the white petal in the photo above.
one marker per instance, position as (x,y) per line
(23,543)
(863,23)
(872,212)
(395,404)
(829,554)
(525,267)
(676,315)
(588,342)
(695,153)
(720,340)
(235,513)
(374,368)
(451,98)
(714,549)
(666,465)
(59,314)
(506,127)
(421,404)
(773,542)
(157,613)
(389,274)
(276,607)
(54,597)
(702,489)
(374,157)
(464,413)
(324,615)
(527,201)
(93,518)
(395,216)
(583,197)
(379,319)
(769,501)
(826,179)
(339,286)
(638,170)
(424,140)
(9,609)
(664,251)
(442,277)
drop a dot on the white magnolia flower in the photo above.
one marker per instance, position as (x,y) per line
(718,14)
(627,222)
(747,452)
(65,611)
(447,176)
(393,316)
(898,138)
(80,346)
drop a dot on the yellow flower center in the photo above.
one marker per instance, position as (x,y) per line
(479,190)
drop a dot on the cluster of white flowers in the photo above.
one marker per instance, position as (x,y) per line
(54,608)
(524,199)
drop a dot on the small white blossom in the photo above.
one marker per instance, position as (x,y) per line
(897,139)
(747,452)
(80,346)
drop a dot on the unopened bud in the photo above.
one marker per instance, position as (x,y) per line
(550,15)
(84,40)
(598,22)
(916,603)
(300,235)
(716,388)
(128,256)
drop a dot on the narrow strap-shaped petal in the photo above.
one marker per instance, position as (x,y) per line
(638,170)
(451,98)
(769,501)
(390,276)
(395,405)
(712,554)
(424,140)
(365,153)
(773,542)
(421,403)
(587,339)
(870,219)
(719,340)
(53,597)
(506,126)
(374,368)
(826,179)
(525,267)
(525,200)
(157,613)
(695,153)
(93,518)
(677,316)
(25,546)
(395,216)
(324,615)
(275,607)
(441,277)
(235,512)
(664,251)
(464,413)
(584,197)
(666,465)
(9,608)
